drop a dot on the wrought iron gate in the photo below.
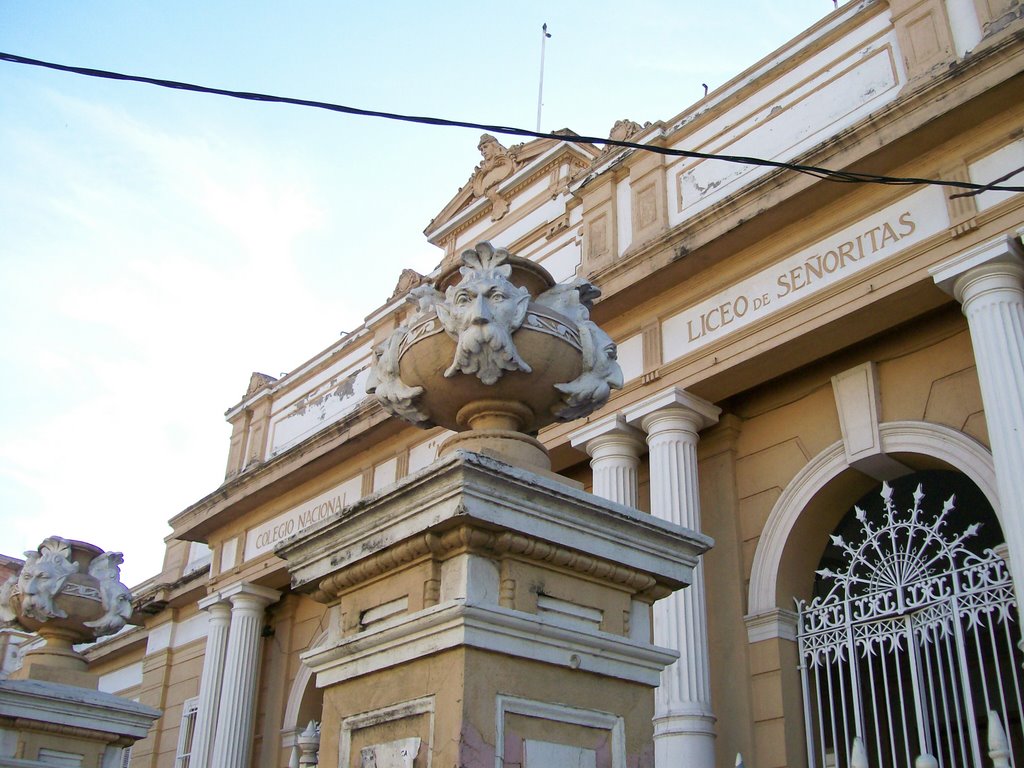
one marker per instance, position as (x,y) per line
(912,646)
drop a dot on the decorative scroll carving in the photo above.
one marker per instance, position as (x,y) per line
(8,611)
(498,164)
(257,382)
(624,130)
(386,382)
(408,280)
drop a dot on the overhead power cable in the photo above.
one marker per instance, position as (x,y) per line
(849,177)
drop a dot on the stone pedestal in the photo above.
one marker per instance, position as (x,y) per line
(51,713)
(44,723)
(484,615)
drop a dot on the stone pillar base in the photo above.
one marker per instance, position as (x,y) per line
(484,615)
(684,740)
(45,723)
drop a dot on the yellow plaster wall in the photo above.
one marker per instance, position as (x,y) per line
(464,719)
(169,678)
(926,373)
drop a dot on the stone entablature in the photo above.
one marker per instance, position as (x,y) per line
(844,73)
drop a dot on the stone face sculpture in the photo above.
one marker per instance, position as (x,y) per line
(481,313)
(43,577)
(496,346)
(69,592)
(115,596)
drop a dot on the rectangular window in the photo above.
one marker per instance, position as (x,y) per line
(187,732)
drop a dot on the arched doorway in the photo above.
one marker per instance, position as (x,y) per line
(910,639)
(304,705)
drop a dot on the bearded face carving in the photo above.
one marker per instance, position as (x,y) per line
(481,313)
(572,362)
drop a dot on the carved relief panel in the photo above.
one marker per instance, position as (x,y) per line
(599,226)
(922,28)
(647,184)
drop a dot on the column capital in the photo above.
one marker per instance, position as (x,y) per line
(673,401)
(1000,254)
(609,429)
(213,601)
(245,591)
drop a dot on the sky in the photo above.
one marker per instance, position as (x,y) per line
(156,246)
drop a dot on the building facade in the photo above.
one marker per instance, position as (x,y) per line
(794,351)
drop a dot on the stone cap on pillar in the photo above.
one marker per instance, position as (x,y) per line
(265,595)
(37,702)
(474,553)
(701,411)
(469,489)
(1005,249)
(612,425)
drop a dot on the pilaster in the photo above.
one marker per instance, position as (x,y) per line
(683,720)
(233,742)
(988,281)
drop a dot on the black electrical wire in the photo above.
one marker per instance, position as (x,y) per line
(849,177)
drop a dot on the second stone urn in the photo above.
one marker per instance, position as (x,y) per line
(495,350)
(68,592)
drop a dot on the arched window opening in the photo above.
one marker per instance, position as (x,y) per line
(911,638)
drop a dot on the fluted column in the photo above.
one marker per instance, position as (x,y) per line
(614,448)
(233,741)
(684,722)
(989,282)
(212,678)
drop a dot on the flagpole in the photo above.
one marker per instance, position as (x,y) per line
(544,35)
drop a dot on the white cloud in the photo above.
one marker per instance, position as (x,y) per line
(151,326)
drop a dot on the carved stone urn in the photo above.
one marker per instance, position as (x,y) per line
(495,350)
(68,592)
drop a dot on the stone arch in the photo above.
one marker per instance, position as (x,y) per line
(828,482)
(303,703)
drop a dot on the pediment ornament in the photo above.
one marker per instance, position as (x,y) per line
(499,162)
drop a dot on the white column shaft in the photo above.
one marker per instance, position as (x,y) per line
(210,684)
(993,301)
(615,461)
(684,720)
(614,448)
(233,743)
